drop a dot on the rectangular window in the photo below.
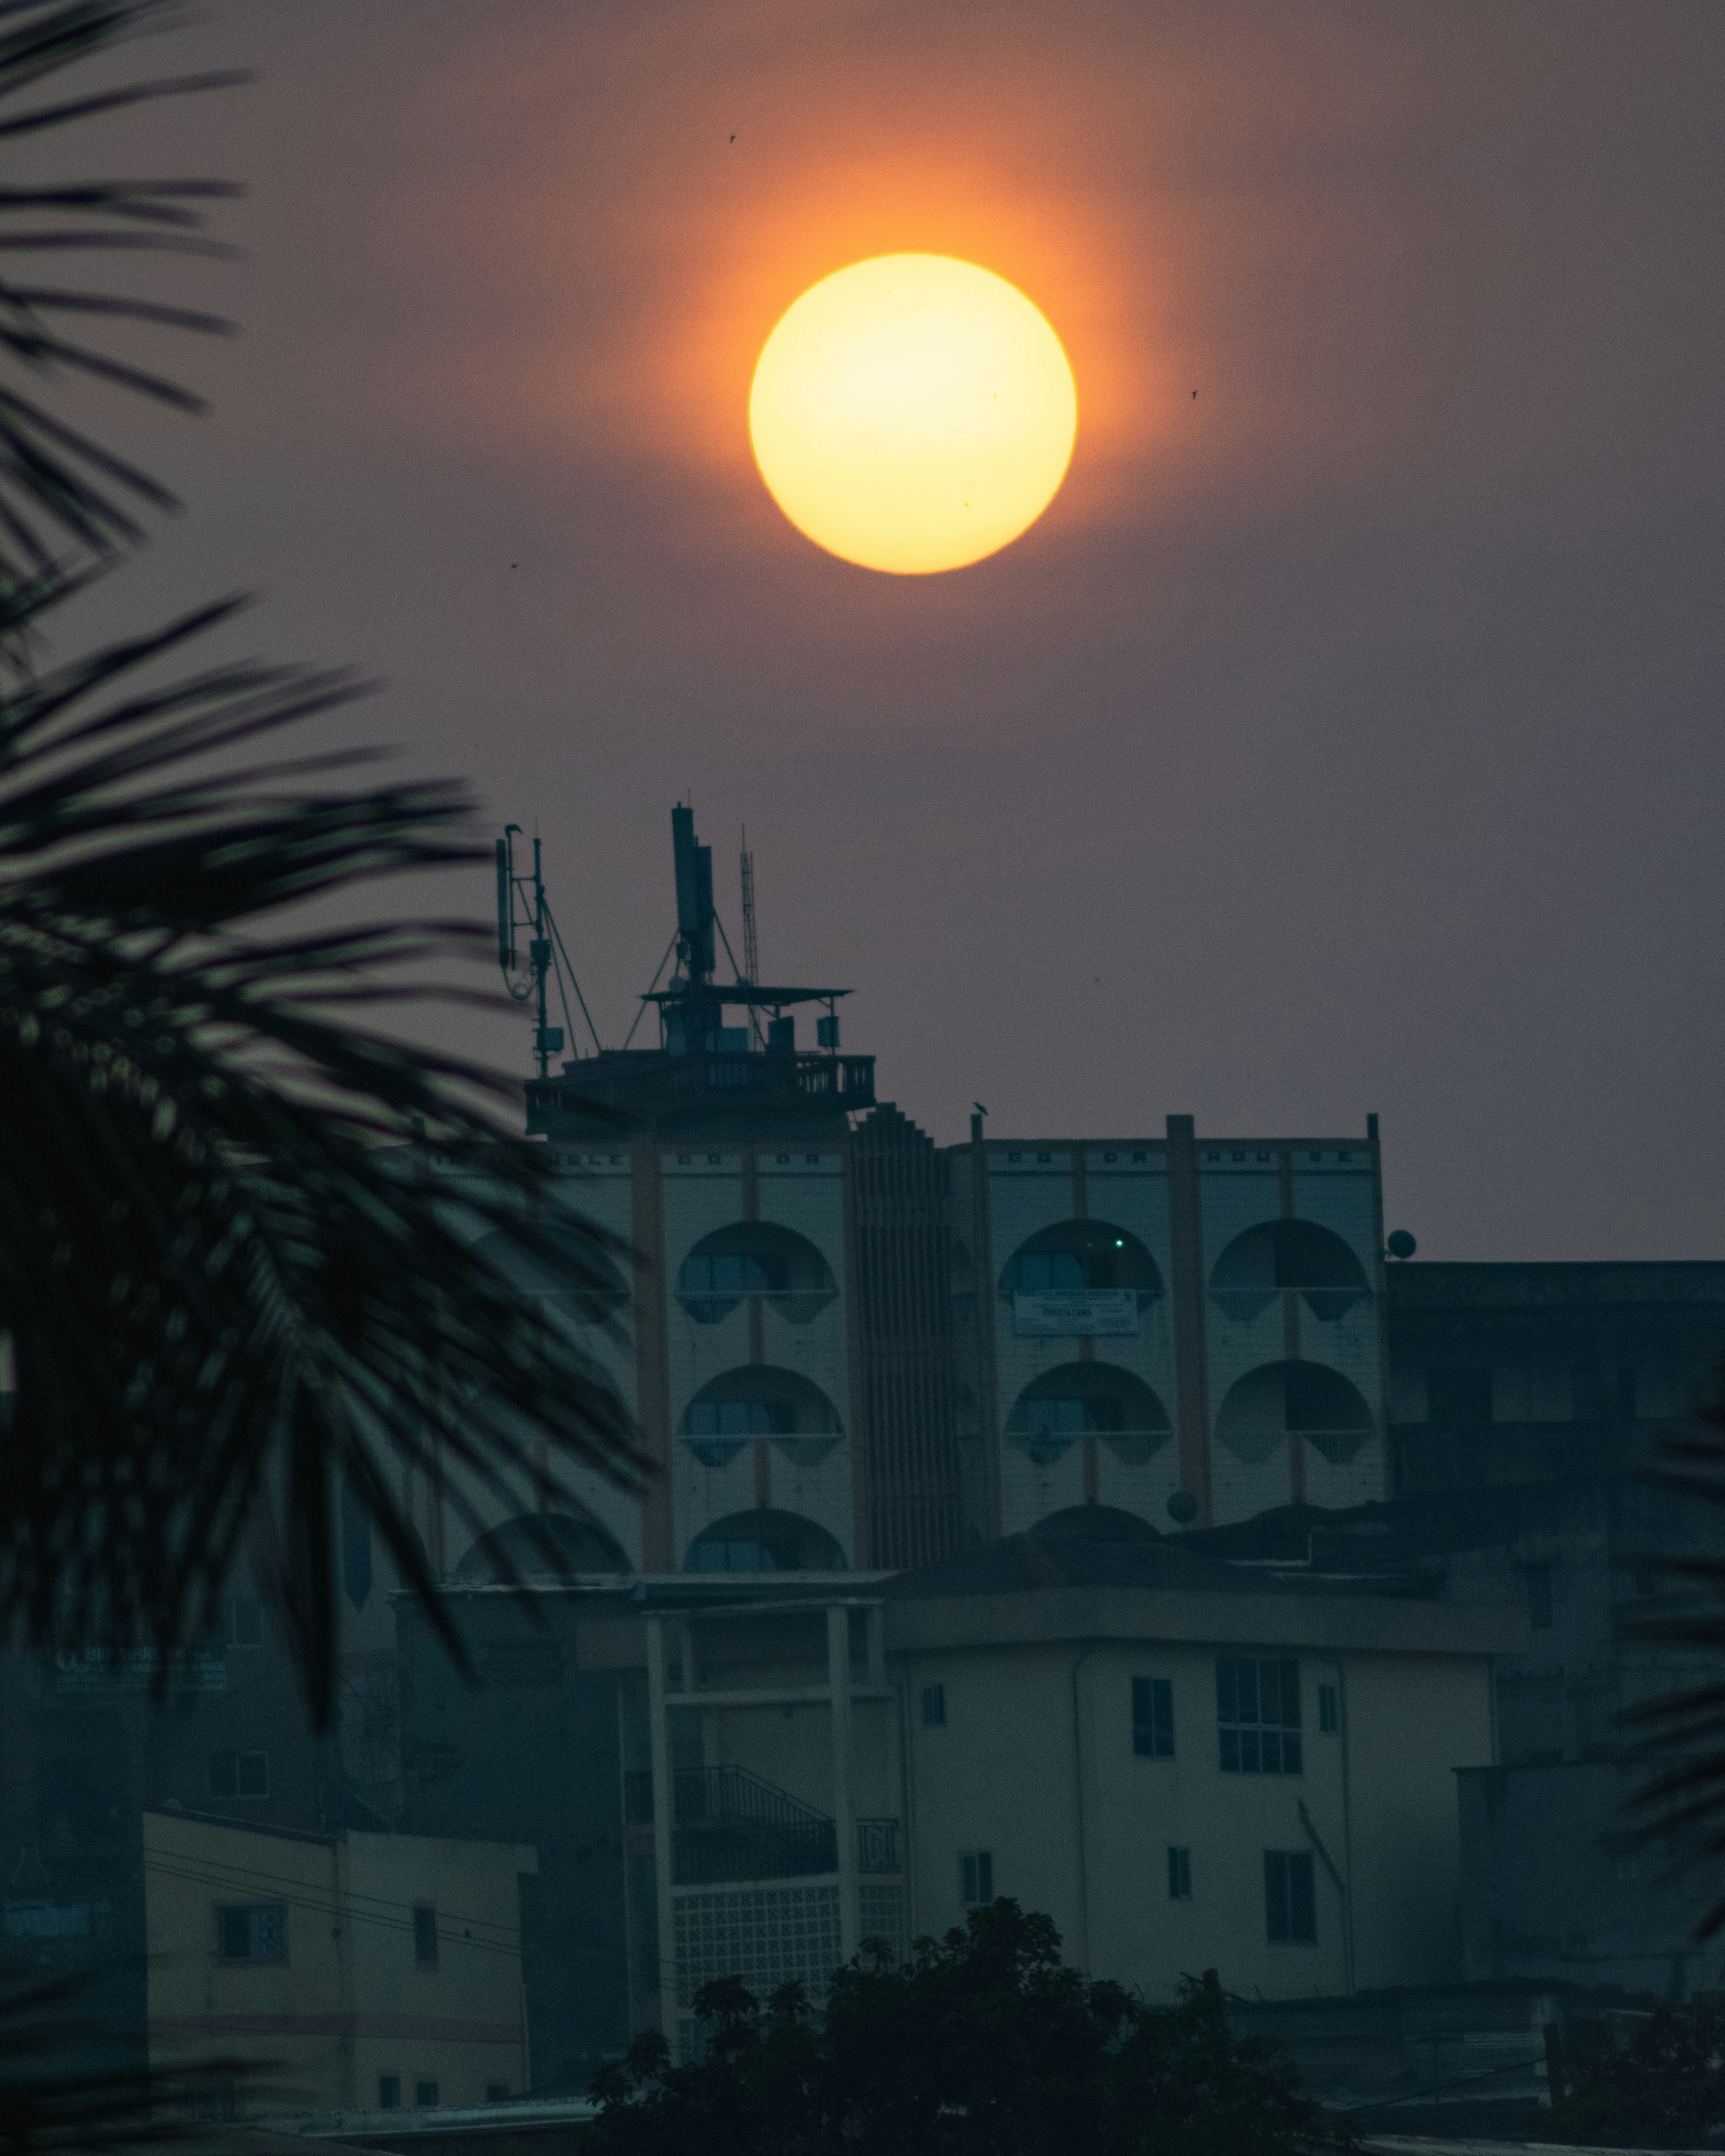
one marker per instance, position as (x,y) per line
(1539,1597)
(245,1621)
(425,1937)
(1152,1718)
(254,1931)
(1179,1874)
(425,2094)
(1327,1716)
(975,1876)
(1459,1399)
(389,2092)
(239,1773)
(212,2103)
(1289,1907)
(934,1706)
(1258,1714)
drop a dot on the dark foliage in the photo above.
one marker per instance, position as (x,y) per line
(225,1266)
(54,2102)
(229,1286)
(58,485)
(984,2044)
(1681,1803)
(1661,2087)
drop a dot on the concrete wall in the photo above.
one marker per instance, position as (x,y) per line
(1082,1830)
(803,1191)
(349,2000)
(1191,1347)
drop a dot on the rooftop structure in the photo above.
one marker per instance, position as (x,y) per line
(709,1079)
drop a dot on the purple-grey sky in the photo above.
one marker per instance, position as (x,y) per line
(1347,738)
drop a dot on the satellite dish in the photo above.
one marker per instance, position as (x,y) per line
(1182,1507)
(1401,1244)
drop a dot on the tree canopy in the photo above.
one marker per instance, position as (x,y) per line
(984,2043)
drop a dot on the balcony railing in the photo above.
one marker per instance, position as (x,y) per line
(728,1823)
(645,1081)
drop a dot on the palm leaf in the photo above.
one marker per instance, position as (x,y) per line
(59,487)
(54,2098)
(228,1276)
(1679,1739)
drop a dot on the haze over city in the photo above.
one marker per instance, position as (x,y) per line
(1342,739)
(868,1298)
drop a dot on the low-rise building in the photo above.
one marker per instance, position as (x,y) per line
(1186,1762)
(333,1972)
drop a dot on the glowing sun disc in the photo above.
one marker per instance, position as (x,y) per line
(912,413)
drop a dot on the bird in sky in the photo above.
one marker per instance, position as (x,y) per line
(1194,396)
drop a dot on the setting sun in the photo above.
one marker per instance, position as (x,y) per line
(912,413)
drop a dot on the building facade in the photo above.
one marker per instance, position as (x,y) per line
(346,1971)
(1178,1328)
(1183,1763)
(1505,1374)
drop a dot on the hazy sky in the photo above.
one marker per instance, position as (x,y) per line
(1346,738)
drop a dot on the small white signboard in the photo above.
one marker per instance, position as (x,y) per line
(1059,1312)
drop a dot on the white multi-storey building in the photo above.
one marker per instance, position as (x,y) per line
(1174,1328)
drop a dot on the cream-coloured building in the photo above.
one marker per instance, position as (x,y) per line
(1191,1768)
(1185,1763)
(340,1973)
(1175,1327)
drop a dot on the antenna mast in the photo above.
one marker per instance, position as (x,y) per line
(517,908)
(751,945)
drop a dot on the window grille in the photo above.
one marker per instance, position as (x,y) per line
(975,1876)
(1290,1905)
(1152,1718)
(252,1932)
(1258,1714)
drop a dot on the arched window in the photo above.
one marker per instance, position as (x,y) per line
(1077,1255)
(541,1544)
(755,1257)
(1277,1255)
(764,1541)
(760,1401)
(562,1260)
(1086,1399)
(1280,1400)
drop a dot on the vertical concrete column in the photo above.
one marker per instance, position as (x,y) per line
(1291,1327)
(1086,1341)
(1391,1486)
(652,1371)
(982,1244)
(664,1821)
(342,1879)
(1186,1292)
(843,1803)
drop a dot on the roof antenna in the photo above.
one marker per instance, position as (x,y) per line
(751,942)
(521,903)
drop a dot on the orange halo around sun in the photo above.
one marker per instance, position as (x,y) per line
(913,412)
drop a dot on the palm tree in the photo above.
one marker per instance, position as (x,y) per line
(1680,1737)
(224,1271)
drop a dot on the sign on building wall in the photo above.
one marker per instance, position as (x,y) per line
(135,1668)
(1056,1312)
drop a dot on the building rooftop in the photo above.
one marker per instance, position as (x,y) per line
(1072,1586)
